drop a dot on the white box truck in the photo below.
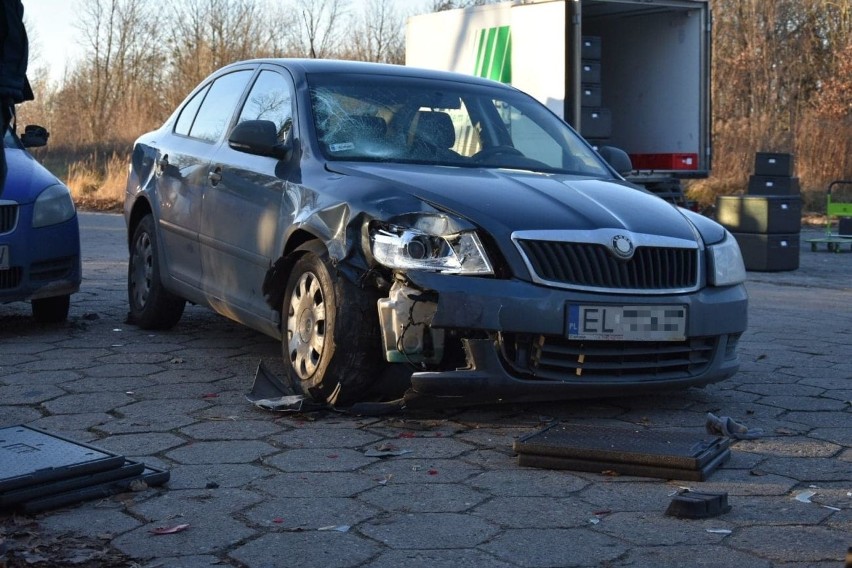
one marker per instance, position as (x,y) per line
(634,74)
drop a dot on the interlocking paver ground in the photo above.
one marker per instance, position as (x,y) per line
(256,487)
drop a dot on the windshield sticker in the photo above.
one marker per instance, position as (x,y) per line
(341,147)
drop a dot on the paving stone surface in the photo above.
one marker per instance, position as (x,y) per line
(262,489)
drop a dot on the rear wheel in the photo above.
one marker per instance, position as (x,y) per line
(331,341)
(151,305)
(51,310)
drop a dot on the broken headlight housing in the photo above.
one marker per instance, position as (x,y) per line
(409,248)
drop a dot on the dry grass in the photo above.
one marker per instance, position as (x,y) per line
(98,184)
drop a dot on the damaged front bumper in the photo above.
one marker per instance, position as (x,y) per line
(516,342)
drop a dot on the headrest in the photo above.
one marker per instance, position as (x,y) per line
(436,128)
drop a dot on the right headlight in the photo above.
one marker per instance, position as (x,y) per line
(411,248)
(726,262)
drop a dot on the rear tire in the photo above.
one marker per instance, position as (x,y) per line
(331,342)
(51,310)
(151,305)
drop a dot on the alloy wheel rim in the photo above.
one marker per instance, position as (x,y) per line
(143,269)
(306,326)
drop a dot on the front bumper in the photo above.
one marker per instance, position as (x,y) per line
(512,313)
(43,262)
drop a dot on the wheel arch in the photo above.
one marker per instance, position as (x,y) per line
(299,243)
(140,208)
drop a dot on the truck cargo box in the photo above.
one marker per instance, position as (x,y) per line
(649,60)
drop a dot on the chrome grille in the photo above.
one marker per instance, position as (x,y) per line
(591,265)
(8,218)
(558,359)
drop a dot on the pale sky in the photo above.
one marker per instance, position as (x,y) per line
(52,27)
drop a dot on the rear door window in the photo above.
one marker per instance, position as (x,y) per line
(219,105)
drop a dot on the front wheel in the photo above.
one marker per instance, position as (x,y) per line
(151,305)
(51,310)
(331,343)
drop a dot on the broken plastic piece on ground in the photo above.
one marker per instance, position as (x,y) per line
(719,531)
(730,428)
(377,408)
(269,392)
(385,452)
(804,496)
(336,528)
(170,530)
(689,504)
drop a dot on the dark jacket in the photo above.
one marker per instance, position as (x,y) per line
(14,52)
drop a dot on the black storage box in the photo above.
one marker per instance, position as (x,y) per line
(591,48)
(844,226)
(773,185)
(595,122)
(769,253)
(771,214)
(590,72)
(590,95)
(769,164)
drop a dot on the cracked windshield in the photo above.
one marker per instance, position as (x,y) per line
(438,123)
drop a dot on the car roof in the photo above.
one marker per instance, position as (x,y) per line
(309,66)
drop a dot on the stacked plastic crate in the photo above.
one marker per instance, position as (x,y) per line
(595,120)
(767,221)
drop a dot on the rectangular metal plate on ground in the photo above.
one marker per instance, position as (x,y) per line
(129,469)
(150,476)
(668,454)
(29,456)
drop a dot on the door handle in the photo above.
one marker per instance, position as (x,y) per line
(215,176)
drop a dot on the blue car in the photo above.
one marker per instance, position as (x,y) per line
(39,233)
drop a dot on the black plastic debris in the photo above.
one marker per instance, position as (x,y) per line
(40,471)
(730,428)
(688,504)
(270,392)
(628,450)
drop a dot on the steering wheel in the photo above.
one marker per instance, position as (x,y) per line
(493,151)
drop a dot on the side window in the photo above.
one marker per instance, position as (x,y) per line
(219,105)
(187,115)
(270,98)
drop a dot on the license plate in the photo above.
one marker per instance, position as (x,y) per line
(627,323)
(4,257)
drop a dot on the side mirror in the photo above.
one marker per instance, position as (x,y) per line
(34,136)
(617,158)
(259,137)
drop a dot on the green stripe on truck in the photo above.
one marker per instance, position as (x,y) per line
(494,54)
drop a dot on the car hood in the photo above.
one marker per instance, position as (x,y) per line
(503,201)
(25,177)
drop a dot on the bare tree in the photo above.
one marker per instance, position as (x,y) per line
(318,34)
(207,34)
(778,76)
(119,41)
(378,35)
(444,5)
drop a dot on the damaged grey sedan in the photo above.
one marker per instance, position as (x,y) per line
(381,219)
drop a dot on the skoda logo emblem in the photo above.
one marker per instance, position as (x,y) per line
(622,246)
